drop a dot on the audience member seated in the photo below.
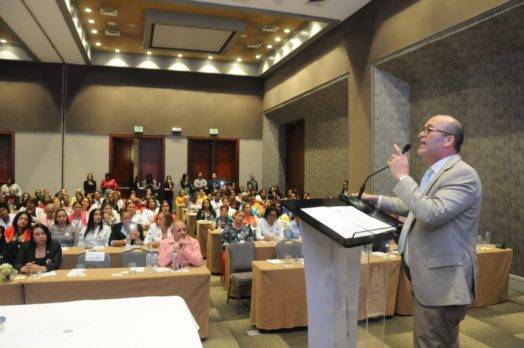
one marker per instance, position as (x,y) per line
(110,199)
(180,199)
(89,184)
(6,219)
(57,203)
(227,203)
(96,233)
(66,204)
(97,200)
(41,254)
(186,246)
(86,204)
(237,231)
(120,204)
(46,200)
(108,184)
(269,227)
(213,185)
(223,219)
(249,219)
(12,200)
(126,231)
(110,216)
(19,231)
(78,218)
(193,207)
(206,212)
(200,182)
(151,184)
(201,195)
(31,207)
(216,203)
(48,219)
(10,184)
(160,230)
(293,229)
(38,197)
(62,231)
(23,199)
(165,208)
(151,210)
(137,218)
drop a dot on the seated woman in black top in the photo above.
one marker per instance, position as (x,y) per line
(207,212)
(41,253)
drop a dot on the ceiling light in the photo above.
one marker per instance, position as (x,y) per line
(148,53)
(94,31)
(117,50)
(209,57)
(179,55)
(258,56)
(88,10)
(98,44)
(278,39)
(3,41)
(269,47)
(287,31)
(239,60)
(91,21)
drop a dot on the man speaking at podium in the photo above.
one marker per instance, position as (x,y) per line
(438,240)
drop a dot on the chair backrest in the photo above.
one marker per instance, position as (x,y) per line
(241,255)
(106,263)
(137,256)
(292,248)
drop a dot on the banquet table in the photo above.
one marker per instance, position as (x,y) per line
(263,251)
(278,293)
(101,323)
(492,288)
(192,284)
(214,251)
(69,255)
(202,230)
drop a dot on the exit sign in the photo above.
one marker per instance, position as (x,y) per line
(139,129)
(213,131)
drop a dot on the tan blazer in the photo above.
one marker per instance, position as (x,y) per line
(444,221)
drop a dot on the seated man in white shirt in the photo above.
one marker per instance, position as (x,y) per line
(6,219)
(137,218)
(200,182)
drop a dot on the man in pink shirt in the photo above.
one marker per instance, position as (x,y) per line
(188,248)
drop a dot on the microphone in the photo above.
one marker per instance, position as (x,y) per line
(363,187)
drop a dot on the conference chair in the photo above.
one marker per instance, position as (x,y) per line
(106,263)
(241,255)
(292,248)
(138,256)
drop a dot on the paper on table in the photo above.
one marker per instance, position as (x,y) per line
(76,272)
(379,253)
(48,274)
(162,269)
(347,220)
(274,261)
(65,248)
(95,256)
(136,269)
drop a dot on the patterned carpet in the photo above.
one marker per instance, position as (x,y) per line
(500,325)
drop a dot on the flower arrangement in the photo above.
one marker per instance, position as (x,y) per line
(5,272)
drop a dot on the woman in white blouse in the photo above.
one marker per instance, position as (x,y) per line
(159,230)
(96,233)
(151,210)
(269,227)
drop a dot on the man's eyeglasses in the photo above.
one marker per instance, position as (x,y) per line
(427,130)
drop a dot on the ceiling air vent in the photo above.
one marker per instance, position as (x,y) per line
(109,12)
(270,28)
(254,45)
(112,32)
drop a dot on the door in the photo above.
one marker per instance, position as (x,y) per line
(295,157)
(122,162)
(151,158)
(7,161)
(219,156)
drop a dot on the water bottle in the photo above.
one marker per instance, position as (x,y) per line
(154,259)
(479,239)
(81,243)
(487,237)
(174,260)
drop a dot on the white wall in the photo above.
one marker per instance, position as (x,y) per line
(38,161)
(84,154)
(250,160)
(176,159)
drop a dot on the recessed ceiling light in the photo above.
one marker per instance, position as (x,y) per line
(239,59)
(88,10)
(3,41)
(179,55)
(209,57)
(287,31)
(269,47)
(91,21)
(117,50)
(258,56)
(94,31)
(278,39)
(98,44)
(148,53)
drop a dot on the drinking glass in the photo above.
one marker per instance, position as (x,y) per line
(132,267)
(34,274)
(80,266)
(288,260)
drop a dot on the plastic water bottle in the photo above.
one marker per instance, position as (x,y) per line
(487,237)
(174,261)
(2,323)
(81,243)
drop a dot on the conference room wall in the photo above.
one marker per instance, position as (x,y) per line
(377,30)
(38,160)
(250,160)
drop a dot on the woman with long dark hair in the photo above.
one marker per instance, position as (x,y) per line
(96,233)
(206,212)
(169,187)
(61,230)
(41,254)
(89,184)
